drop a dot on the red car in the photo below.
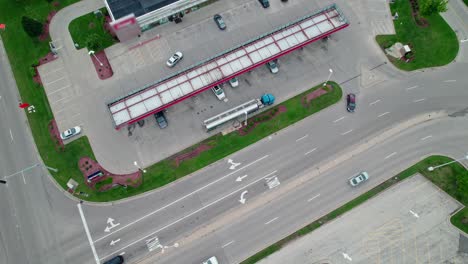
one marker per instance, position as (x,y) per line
(351,102)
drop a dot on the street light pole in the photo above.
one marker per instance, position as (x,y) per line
(91,52)
(453,161)
(331,71)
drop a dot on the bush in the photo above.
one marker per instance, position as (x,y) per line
(31,26)
(429,7)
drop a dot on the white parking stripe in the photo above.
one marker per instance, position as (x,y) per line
(271,221)
(419,100)
(339,119)
(386,113)
(347,132)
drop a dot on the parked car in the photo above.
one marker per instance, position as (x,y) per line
(70,132)
(265,3)
(115,260)
(272,66)
(174,59)
(219,21)
(234,82)
(219,92)
(161,119)
(358,179)
(351,102)
(212,260)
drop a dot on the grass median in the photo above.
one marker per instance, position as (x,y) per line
(433,45)
(447,178)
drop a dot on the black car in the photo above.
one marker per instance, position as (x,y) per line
(219,21)
(115,260)
(161,119)
(265,3)
(351,102)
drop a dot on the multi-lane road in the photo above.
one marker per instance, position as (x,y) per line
(238,205)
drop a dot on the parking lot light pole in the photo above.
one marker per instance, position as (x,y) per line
(453,161)
(331,71)
(136,165)
(91,52)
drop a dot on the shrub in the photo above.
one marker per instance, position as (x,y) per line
(31,26)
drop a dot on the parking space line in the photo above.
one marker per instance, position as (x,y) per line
(271,221)
(62,99)
(301,138)
(339,119)
(56,80)
(391,155)
(373,103)
(419,100)
(310,151)
(386,113)
(347,132)
(227,244)
(313,198)
(411,88)
(65,87)
(52,71)
(446,81)
(424,138)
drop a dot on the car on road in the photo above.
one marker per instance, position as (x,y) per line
(161,119)
(234,82)
(272,66)
(351,102)
(219,21)
(174,59)
(212,260)
(219,92)
(70,132)
(265,3)
(115,260)
(358,179)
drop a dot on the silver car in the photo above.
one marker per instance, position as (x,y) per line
(70,132)
(358,179)
(174,59)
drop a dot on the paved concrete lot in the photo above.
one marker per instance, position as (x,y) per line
(408,223)
(78,97)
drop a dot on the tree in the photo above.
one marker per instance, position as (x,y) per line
(462,186)
(31,26)
(429,7)
(94,42)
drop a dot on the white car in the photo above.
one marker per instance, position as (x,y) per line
(172,61)
(272,66)
(358,179)
(234,82)
(212,260)
(70,132)
(219,92)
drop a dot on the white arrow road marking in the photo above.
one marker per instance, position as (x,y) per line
(313,197)
(112,225)
(373,103)
(88,234)
(271,221)
(233,164)
(414,214)
(180,199)
(189,215)
(113,242)
(242,199)
(346,256)
(240,178)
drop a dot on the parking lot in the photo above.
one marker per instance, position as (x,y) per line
(80,98)
(409,223)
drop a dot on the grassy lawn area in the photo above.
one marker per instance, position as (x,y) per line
(91,26)
(166,170)
(434,45)
(444,178)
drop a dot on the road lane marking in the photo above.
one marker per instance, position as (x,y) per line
(386,113)
(391,155)
(373,103)
(11,135)
(414,214)
(424,138)
(310,151)
(347,132)
(271,221)
(182,198)
(301,138)
(24,180)
(227,244)
(88,234)
(313,198)
(190,214)
(411,88)
(450,81)
(419,100)
(346,256)
(339,119)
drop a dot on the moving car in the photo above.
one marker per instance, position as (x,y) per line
(272,66)
(161,119)
(358,179)
(174,59)
(219,21)
(351,102)
(115,260)
(265,3)
(234,82)
(219,92)
(70,132)
(212,260)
